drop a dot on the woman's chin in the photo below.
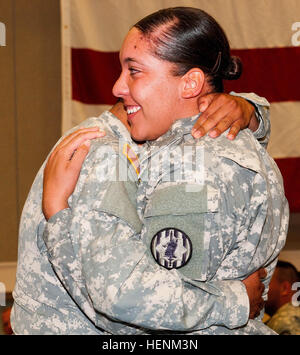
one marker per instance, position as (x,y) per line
(142,134)
(137,135)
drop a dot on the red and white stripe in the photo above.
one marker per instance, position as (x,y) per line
(264,34)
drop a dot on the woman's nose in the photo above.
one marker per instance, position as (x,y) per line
(120,88)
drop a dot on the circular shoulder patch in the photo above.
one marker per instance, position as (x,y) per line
(171,248)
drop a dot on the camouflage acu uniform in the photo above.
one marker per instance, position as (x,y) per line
(41,303)
(225,218)
(102,224)
(286,321)
(96,243)
(197,231)
(47,307)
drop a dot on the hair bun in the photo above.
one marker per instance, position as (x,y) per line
(234,69)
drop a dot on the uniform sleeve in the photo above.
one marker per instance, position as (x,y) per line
(61,253)
(256,213)
(262,108)
(115,274)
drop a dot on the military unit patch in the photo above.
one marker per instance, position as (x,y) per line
(171,248)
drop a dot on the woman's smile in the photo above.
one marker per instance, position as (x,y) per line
(132,111)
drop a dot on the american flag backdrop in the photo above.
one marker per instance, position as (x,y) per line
(265,34)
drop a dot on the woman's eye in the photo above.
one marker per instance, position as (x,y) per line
(133,71)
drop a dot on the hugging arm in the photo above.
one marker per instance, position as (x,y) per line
(114,273)
(262,113)
(234,112)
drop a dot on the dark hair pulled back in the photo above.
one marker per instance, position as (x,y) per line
(190,38)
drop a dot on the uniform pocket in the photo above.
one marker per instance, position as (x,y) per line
(120,201)
(176,227)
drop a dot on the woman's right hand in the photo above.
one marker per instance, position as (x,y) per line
(63,168)
(255,289)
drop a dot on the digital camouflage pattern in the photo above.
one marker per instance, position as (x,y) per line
(286,321)
(242,224)
(102,222)
(41,303)
(123,279)
(47,308)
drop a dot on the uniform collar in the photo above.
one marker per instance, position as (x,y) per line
(179,128)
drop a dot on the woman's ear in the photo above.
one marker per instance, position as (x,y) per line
(285,288)
(192,83)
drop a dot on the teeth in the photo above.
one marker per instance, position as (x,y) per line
(133,109)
